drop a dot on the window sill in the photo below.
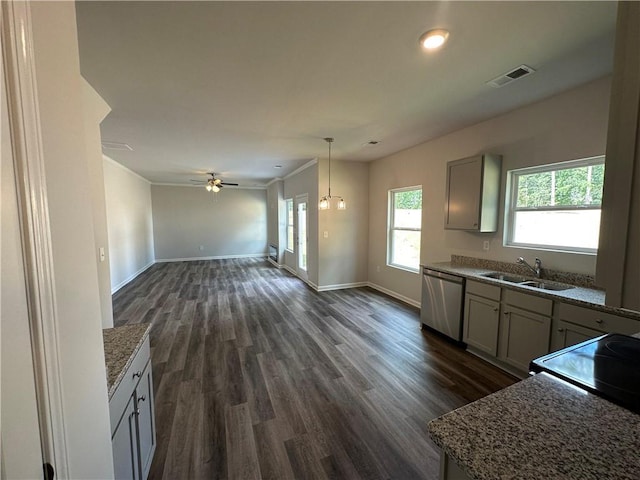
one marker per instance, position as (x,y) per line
(404,269)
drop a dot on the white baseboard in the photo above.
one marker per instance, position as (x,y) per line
(274,263)
(393,294)
(289,269)
(130,278)
(341,286)
(218,257)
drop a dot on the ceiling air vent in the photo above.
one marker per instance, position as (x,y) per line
(116,146)
(515,74)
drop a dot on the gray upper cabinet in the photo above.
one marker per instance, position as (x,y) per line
(473,193)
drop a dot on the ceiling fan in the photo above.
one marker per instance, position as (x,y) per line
(214,184)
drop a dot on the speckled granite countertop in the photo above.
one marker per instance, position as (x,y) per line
(586,297)
(120,346)
(541,428)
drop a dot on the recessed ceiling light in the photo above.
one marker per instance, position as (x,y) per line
(433,39)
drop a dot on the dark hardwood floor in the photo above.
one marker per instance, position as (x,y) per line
(258,376)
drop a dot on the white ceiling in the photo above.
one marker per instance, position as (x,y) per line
(239,87)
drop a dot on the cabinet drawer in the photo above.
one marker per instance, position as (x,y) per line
(540,305)
(594,319)
(132,376)
(483,290)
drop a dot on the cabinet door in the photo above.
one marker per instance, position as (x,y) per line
(464,181)
(145,421)
(568,334)
(524,336)
(125,445)
(481,322)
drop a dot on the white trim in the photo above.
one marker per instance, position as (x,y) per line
(393,294)
(274,180)
(131,277)
(217,257)
(126,169)
(303,167)
(26,140)
(289,269)
(342,286)
(275,264)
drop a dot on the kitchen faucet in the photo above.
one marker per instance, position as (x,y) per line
(536,268)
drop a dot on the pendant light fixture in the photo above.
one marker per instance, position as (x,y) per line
(325,202)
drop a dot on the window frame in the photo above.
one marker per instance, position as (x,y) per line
(390,228)
(511,200)
(290,248)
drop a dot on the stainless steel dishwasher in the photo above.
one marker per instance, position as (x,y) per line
(442,302)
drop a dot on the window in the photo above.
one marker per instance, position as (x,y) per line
(289,203)
(556,206)
(405,219)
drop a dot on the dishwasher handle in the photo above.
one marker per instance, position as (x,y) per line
(443,276)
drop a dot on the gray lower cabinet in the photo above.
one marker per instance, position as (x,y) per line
(133,429)
(524,336)
(507,327)
(481,323)
(574,324)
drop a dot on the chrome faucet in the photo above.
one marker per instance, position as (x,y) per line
(537,268)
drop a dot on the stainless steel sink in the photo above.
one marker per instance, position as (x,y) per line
(546,285)
(505,277)
(527,282)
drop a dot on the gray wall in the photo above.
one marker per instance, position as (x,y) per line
(130,225)
(190,223)
(306,181)
(343,255)
(564,127)
(95,110)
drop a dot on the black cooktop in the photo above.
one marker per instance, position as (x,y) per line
(608,366)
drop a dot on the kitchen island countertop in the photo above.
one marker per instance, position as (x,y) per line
(540,428)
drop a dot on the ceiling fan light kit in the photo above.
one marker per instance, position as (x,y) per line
(214,184)
(325,201)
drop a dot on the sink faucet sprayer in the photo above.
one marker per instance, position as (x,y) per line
(536,268)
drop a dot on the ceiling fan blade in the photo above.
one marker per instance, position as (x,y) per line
(231,184)
(198,181)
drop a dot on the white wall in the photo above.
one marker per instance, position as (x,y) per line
(20,454)
(95,110)
(76,290)
(306,181)
(567,126)
(129,222)
(276,217)
(343,255)
(231,223)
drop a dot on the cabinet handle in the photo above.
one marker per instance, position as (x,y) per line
(137,374)
(496,309)
(506,313)
(137,412)
(599,320)
(142,398)
(561,329)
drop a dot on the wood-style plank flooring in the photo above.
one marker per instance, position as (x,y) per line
(258,376)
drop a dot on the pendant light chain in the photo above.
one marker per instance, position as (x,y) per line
(325,202)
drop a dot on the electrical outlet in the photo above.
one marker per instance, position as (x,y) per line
(486,245)
(201,248)
(325,234)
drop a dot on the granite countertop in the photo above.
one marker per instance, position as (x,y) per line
(541,428)
(120,347)
(587,297)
